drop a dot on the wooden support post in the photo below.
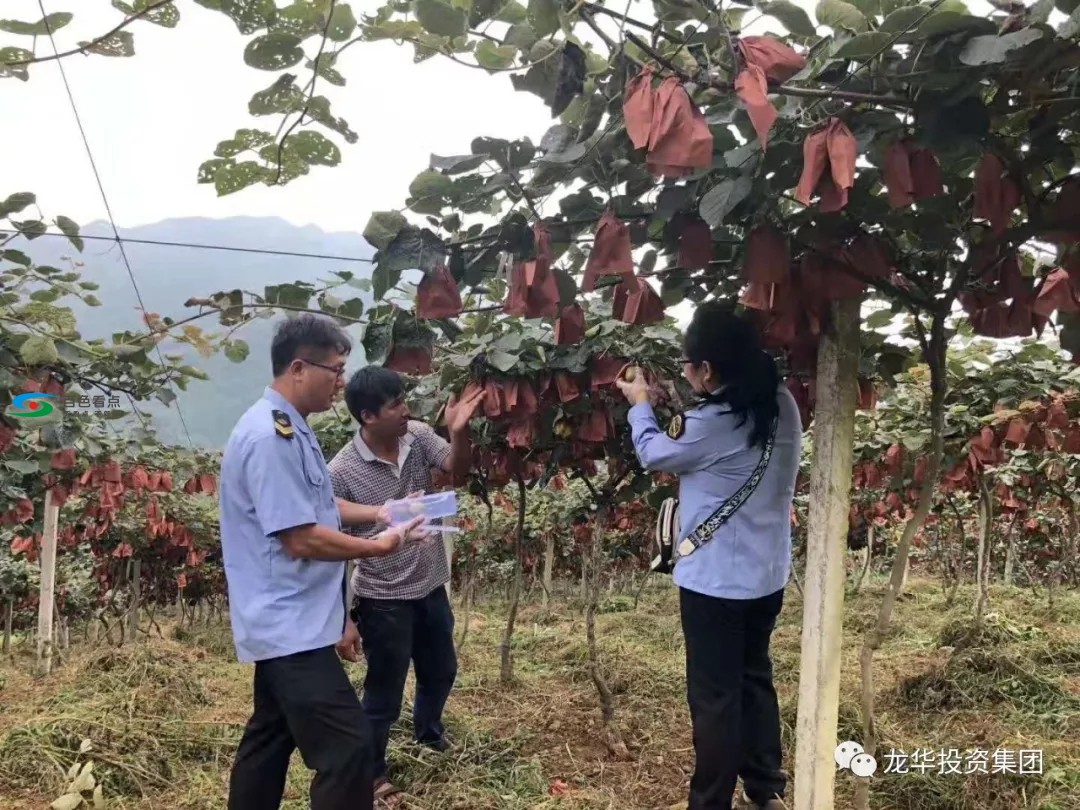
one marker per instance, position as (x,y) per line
(826,551)
(47,591)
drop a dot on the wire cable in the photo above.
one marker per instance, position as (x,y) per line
(198,246)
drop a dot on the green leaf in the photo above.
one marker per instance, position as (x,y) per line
(274,51)
(383,227)
(723,197)
(16,256)
(167,16)
(1040,12)
(377,341)
(941,23)
(237,350)
(793,18)
(122,43)
(39,350)
(313,148)
(543,17)
(31,228)
(17,203)
(411,249)
(457,164)
(863,47)
(319,110)
(512,12)
(430,184)
(41,28)
(8,59)
(342,23)
(902,20)
(988,50)
(283,96)
(1071,27)
(228,176)
(495,57)
(249,15)
(70,229)
(440,18)
(503,361)
(840,15)
(301,19)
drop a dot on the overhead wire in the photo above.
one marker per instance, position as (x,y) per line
(201,246)
(105,201)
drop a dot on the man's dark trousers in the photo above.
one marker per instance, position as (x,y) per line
(733,705)
(304,701)
(395,631)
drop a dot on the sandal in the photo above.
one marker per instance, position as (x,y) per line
(387,793)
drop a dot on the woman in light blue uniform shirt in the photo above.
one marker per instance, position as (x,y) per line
(731,588)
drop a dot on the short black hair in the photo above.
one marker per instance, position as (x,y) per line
(307,331)
(370,388)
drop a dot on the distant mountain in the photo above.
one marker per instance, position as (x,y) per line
(167,276)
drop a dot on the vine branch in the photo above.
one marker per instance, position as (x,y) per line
(311,92)
(94,42)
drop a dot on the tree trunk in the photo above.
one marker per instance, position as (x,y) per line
(1010,551)
(935,359)
(612,738)
(982,563)
(47,589)
(549,566)
(958,562)
(135,589)
(866,559)
(9,617)
(506,669)
(825,574)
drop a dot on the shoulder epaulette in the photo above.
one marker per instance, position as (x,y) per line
(282,424)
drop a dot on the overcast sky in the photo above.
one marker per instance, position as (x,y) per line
(152,119)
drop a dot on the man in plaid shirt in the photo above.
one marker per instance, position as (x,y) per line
(401,607)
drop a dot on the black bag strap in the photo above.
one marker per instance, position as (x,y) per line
(697,538)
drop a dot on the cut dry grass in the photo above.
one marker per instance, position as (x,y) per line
(165,716)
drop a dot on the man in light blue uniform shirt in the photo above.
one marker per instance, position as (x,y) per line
(284,555)
(731,587)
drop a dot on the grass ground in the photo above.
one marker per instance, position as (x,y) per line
(164,716)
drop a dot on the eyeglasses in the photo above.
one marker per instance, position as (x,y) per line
(338,370)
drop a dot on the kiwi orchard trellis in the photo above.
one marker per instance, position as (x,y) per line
(908,156)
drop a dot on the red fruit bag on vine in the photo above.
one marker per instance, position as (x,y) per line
(611,254)
(570,327)
(768,256)
(412,360)
(776,60)
(636,302)
(896,172)
(752,88)
(438,296)
(996,193)
(695,245)
(828,166)
(566,386)
(638,100)
(680,140)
